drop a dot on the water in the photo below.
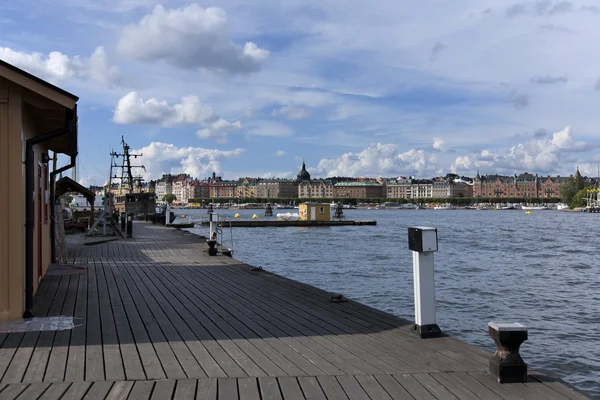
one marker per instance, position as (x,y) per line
(540,269)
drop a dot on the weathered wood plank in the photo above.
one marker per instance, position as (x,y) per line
(94,354)
(372,387)
(269,388)
(132,364)
(33,391)
(186,389)
(166,355)
(248,388)
(151,363)
(120,390)
(54,392)
(228,389)
(392,387)
(56,369)
(141,390)
(311,388)
(164,390)
(76,391)
(99,391)
(352,388)
(434,387)
(13,391)
(456,388)
(332,388)
(290,388)
(113,362)
(206,389)
(75,365)
(413,387)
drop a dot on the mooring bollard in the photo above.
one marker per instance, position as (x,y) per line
(129,225)
(423,242)
(506,365)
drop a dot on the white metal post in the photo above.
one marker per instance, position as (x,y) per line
(424,284)
(168,214)
(423,243)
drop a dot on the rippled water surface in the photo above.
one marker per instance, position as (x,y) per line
(541,269)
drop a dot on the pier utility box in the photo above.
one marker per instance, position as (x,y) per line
(422,239)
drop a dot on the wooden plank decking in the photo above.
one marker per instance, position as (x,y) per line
(159,319)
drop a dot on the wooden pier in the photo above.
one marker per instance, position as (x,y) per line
(255,223)
(157,318)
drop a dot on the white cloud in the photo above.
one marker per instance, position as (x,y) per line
(291,112)
(461,164)
(57,67)
(190,37)
(132,109)
(439,144)
(280,153)
(544,155)
(160,158)
(269,128)
(380,160)
(219,130)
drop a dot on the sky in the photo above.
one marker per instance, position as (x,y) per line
(386,88)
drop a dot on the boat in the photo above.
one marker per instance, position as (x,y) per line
(130,197)
(409,206)
(444,207)
(534,208)
(562,206)
(508,207)
(160,216)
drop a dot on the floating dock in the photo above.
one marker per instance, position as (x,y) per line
(238,223)
(157,318)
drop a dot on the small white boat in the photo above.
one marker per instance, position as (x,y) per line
(561,206)
(534,208)
(444,207)
(409,206)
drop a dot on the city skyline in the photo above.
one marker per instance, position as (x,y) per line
(356,89)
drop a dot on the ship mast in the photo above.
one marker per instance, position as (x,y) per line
(126,177)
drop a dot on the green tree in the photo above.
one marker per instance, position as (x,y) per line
(579,200)
(568,190)
(169,198)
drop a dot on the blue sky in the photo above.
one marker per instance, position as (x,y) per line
(383,88)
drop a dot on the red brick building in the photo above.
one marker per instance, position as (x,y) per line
(524,185)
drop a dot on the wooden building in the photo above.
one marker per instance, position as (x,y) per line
(314,212)
(36,118)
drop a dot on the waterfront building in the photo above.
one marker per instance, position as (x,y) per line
(246,188)
(36,118)
(223,189)
(315,189)
(201,189)
(365,189)
(276,189)
(164,186)
(523,185)
(179,182)
(399,188)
